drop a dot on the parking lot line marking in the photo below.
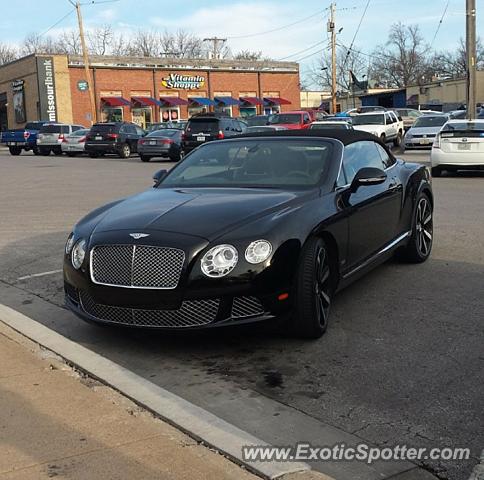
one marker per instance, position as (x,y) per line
(43,274)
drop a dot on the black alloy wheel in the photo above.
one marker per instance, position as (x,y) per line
(420,243)
(313,291)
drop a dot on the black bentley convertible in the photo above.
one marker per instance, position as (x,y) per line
(250,228)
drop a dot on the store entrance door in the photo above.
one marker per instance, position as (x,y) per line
(3,112)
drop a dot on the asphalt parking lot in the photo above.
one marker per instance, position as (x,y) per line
(401,363)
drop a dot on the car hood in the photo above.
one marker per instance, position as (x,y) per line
(205,213)
(424,130)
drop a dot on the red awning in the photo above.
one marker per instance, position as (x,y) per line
(277,100)
(251,100)
(116,101)
(146,101)
(173,101)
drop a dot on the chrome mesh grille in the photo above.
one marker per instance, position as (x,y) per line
(137,266)
(191,314)
(246,307)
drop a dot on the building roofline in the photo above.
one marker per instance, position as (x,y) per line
(107,61)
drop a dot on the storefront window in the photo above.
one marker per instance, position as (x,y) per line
(248,111)
(223,109)
(272,110)
(196,110)
(141,116)
(170,114)
(112,114)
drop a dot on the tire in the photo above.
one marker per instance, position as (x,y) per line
(70,154)
(436,171)
(398,141)
(94,155)
(36,151)
(57,151)
(175,158)
(44,151)
(383,138)
(145,158)
(125,151)
(314,290)
(419,245)
(15,150)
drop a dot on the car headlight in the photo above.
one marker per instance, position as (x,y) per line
(78,253)
(258,251)
(219,261)
(69,243)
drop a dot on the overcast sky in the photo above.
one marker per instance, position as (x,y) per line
(239,20)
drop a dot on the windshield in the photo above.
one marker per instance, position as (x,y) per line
(80,133)
(293,118)
(164,133)
(329,126)
(428,121)
(464,126)
(257,162)
(104,128)
(376,119)
(206,125)
(54,129)
(257,120)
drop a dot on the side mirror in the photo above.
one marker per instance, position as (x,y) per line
(159,176)
(367,176)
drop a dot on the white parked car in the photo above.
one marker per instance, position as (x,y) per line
(50,136)
(458,146)
(385,125)
(73,144)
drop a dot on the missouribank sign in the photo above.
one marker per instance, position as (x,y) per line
(184,82)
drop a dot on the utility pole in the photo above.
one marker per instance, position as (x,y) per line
(332,29)
(86,62)
(471,58)
(215,41)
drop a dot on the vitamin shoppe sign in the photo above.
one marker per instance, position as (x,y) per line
(184,82)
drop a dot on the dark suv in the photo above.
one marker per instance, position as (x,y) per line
(113,137)
(204,127)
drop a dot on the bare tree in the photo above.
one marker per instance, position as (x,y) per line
(346,61)
(120,46)
(35,43)
(100,40)
(68,42)
(248,55)
(8,53)
(454,63)
(403,60)
(146,43)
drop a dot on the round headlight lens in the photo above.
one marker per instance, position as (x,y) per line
(258,251)
(69,243)
(78,253)
(219,261)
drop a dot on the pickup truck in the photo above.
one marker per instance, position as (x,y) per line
(22,138)
(385,125)
(291,120)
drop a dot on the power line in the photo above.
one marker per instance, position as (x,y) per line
(57,23)
(310,55)
(440,23)
(303,50)
(278,28)
(357,30)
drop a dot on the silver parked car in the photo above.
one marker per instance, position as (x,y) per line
(409,116)
(51,135)
(423,132)
(73,144)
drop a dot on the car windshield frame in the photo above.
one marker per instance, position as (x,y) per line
(464,126)
(430,119)
(367,119)
(168,132)
(247,144)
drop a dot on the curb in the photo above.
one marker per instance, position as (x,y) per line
(187,417)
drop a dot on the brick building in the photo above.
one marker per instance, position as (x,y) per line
(143,90)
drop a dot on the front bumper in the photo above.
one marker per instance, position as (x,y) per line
(418,142)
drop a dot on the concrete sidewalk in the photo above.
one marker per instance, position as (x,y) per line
(55,422)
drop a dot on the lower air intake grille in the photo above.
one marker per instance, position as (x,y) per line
(192,313)
(246,307)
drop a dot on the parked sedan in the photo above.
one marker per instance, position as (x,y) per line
(161,143)
(51,136)
(73,144)
(409,116)
(423,132)
(248,229)
(458,146)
